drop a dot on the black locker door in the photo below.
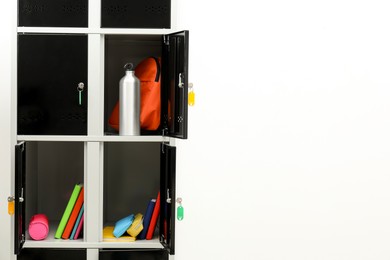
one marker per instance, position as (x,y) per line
(50,70)
(167,197)
(133,254)
(53,253)
(20,191)
(136,14)
(50,13)
(175,83)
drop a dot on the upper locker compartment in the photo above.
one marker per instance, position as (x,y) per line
(150,14)
(53,13)
(172,50)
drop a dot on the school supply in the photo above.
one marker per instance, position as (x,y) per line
(122,225)
(68,210)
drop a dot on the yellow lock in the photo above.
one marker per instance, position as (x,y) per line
(11,205)
(191,95)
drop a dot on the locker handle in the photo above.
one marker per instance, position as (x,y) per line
(80,88)
(21,198)
(169,200)
(181,80)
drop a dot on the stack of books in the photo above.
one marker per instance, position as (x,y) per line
(72,220)
(150,219)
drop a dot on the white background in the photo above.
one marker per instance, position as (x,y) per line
(288,155)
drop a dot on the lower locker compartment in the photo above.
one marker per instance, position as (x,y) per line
(131,181)
(149,254)
(50,254)
(52,171)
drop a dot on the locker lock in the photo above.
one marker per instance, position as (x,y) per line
(11,202)
(11,205)
(191,94)
(180,209)
(80,88)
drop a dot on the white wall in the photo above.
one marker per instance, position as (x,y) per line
(288,150)
(288,154)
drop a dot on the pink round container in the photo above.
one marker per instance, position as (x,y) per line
(39,227)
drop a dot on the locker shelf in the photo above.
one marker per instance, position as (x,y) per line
(106,138)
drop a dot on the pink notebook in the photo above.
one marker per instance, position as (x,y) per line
(79,227)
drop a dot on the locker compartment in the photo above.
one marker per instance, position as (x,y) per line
(133,254)
(46,174)
(131,179)
(119,50)
(50,254)
(49,13)
(51,69)
(173,51)
(134,174)
(136,14)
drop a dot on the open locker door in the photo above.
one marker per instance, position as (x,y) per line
(167,199)
(20,191)
(175,83)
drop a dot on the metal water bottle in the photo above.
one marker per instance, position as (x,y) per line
(129,103)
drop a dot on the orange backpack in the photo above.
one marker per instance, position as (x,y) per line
(148,72)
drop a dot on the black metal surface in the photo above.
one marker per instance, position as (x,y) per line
(135,254)
(136,14)
(167,197)
(20,191)
(50,13)
(49,70)
(175,98)
(52,254)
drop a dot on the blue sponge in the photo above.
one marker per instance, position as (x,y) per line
(122,225)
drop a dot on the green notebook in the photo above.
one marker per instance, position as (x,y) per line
(68,210)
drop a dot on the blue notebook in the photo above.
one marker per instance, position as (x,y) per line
(147,217)
(77,222)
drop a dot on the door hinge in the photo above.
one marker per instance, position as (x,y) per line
(166,39)
(164,134)
(22,144)
(166,42)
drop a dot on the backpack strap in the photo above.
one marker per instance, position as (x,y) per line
(158,69)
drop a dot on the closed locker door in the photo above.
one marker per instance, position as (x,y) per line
(133,254)
(136,14)
(50,13)
(52,253)
(52,84)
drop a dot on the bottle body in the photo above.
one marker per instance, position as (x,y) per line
(129,104)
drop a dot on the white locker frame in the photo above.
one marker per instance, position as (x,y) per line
(93,142)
